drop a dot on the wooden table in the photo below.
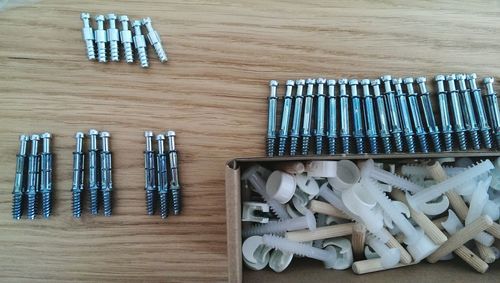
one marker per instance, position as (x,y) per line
(212,92)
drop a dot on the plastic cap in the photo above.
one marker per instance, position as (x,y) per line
(346,175)
(280,186)
(279,260)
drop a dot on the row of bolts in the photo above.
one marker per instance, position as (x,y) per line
(383,116)
(113,37)
(39,178)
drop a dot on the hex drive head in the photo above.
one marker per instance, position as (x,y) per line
(24,138)
(386,78)
(331,82)
(310,81)
(79,135)
(290,82)
(123,18)
(160,137)
(353,82)
(375,82)
(342,81)
(46,135)
(439,78)
(488,80)
(396,81)
(146,21)
(409,80)
(104,135)
(461,77)
(300,82)
(93,132)
(148,134)
(472,76)
(111,17)
(84,16)
(365,82)
(273,83)
(99,18)
(170,133)
(451,77)
(321,81)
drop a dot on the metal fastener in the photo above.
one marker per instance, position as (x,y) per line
(484,126)
(332,117)
(393,110)
(94,180)
(101,38)
(154,39)
(383,123)
(149,172)
(492,103)
(78,175)
(19,185)
(285,117)
(126,40)
(358,128)
(345,131)
(370,120)
(162,169)
(308,109)
(457,112)
(445,114)
(140,44)
(46,175)
(106,174)
(417,118)
(429,114)
(33,177)
(468,112)
(320,115)
(297,116)
(405,115)
(175,186)
(113,38)
(271,117)
(88,35)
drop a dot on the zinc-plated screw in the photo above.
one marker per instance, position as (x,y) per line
(429,114)
(106,174)
(149,172)
(78,174)
(271,117)
(332,117)
(359,130)
(417,118)
(320,115)
(126,39)
(405,115)
(492,103)
(308,109)
(345,132)
(113,38)
(94,180)
(101,38)
(445,114)
(154,39)
(297,117)
(385,134)
(88,35)
(19,185)
(457,112)
(285,117)
(371,124)
(484,126)
(394,115)
(140,44)
(162,168)
(468,111)
(46,175)
(33,177)
(175,186)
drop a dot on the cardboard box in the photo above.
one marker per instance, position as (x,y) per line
(304,270)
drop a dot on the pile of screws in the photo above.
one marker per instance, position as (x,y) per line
(99,172)
(37,181)
(112,36)
(393,118)
(159,172)
(370,218)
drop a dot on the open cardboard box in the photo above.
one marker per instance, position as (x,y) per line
(304,270)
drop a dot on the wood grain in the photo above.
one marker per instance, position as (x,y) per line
(212,92)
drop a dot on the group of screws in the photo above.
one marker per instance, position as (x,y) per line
(392,117)
(112,37)
(35,179)
(99,173)
(159,173)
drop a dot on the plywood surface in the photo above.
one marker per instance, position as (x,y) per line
(212,93)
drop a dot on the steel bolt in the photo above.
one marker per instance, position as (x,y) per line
(46,176)
(484,126)
(417,118)
(78,175)
(405,115)
(394,115)
(468,111)
(345,131)
(19,185)
(383,123)
(359,130)
(271,117)
(106,174)
(88,35)
(126,39)
(332,117)
(162,168)
(457,112)
(94,182)
(154,39)
(140,44)
(492,103)
(297,117)
(308,109)
(175,186)
(33,177)
(149,172)
(101,38)
(285,117)
(320,115)
(371,124)
(429,114)
(445,114)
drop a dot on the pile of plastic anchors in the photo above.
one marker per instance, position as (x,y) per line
(159,172)
(392,118)
(99,173)
(112,37)
(37,181)
(365,217)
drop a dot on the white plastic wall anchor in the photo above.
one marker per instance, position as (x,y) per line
(307,185)
(328,255)
(390,256)
(467,188)
(273,227)
(495,174)
(387,218)
(279,260)
(251,209)
(437,190)
(344,252)
(412,170)
(362,204)
(370,253)
(478,201)
(346,175)
(280,186)
(453,224)
(321,169)
(370,171)
(253,175)
(256,255)
(492,209)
